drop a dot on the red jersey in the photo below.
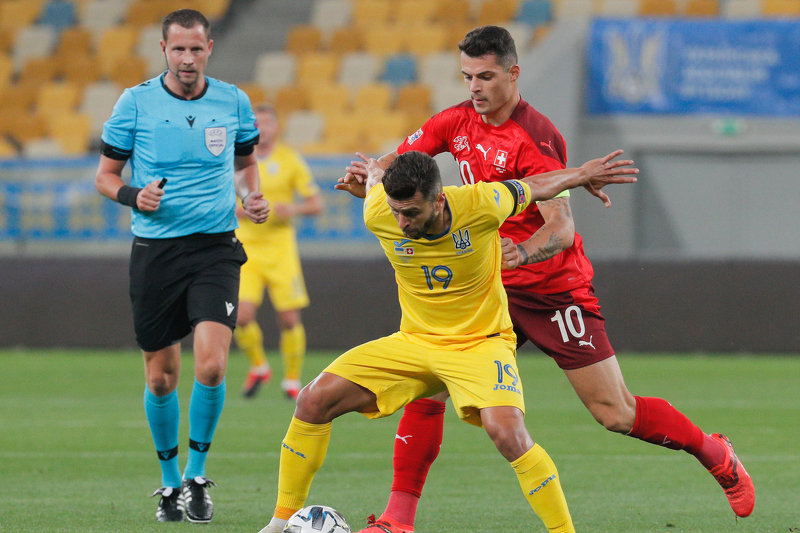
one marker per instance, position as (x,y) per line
(524,145)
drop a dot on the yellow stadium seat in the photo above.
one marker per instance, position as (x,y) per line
(317,67)
(413,98)
(457,32)
(6,40)
(345,41)
(39,70)
(702,8)
(343,134)
(116,47)
(26,126)
(57,97)
(72,131)
(213,9)
(373,97)
(17,14)
(6,71)
(415,11)
(369,12)
(146,12)
(378,128)
(20,96)
(383,40)
(424,39)
(303,39)
(80,69)
(453,12)
(497,12)
(131,73)
(290,98)
(7,150)
(75,40)
(328,98)
(658,8)
(254,91)
(780,8)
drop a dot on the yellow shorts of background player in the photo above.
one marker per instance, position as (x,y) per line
(399,369)
(275,267)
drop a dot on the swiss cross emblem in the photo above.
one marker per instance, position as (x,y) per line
(500,159)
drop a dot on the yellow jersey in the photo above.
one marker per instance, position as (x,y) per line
(283,174)
(449,285)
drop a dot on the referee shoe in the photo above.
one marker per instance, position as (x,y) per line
(734,480)
(171,507)
(199,508)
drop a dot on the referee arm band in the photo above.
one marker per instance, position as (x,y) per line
(126,195)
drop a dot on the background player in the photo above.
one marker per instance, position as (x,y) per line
(455,331)
(273,260)
(496,136)
(198,133)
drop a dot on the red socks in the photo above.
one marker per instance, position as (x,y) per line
(657,422)
(416,446)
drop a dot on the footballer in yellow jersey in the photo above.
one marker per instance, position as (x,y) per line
(455,332)
(273,260)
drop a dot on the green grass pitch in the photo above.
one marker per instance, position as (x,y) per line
(76,454)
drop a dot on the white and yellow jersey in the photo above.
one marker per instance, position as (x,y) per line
(283,174)
(450,288)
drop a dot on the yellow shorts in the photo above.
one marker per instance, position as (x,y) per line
(399,370)
(276,268)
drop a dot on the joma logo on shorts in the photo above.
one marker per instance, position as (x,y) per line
(511,388)
(293,450)
(543,485)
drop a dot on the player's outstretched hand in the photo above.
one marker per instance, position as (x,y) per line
(350,184)
(358,169)
(603,171)
(149,198)
(512,258)
(256,207)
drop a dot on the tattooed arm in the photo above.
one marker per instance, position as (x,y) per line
(556,235)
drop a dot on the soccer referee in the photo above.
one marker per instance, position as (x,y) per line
(190,141)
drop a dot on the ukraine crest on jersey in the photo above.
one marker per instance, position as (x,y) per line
(450,287)
(189,142)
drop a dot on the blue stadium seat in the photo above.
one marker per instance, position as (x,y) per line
(59,14)
(535,12)
(400,69)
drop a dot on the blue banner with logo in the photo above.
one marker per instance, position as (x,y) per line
(694,67)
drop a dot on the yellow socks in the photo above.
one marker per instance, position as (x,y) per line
(250,339)
(302,453)
(538,478)
(293,350)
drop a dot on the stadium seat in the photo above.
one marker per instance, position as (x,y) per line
(290,98)
(25,127)
(415,11)
(33,41)
(131,73)
(302,128)
(702,8)
(275,69)
(19,14)
(380,127)
(19,96)
(255,92)
(98,102)
(456,32)
(318,67)
(617,8)
(371,12)
(328,98)
(331,15)
(384,39)
(213,9)
(414,98)
(448,94)
(534,12)
(452,11)
(658,8)
(359,68)
(102,14)
(146,12)
(375,97)
(148,48)
(444,67)
(75,40)
(39,70)
(7,150)
(345,41)
(741,9)
(497,12)
(57,97)
(72,131)
(780,8)
(343,133)
(6,71)
(303,39)
(400,70)
(79,69)
(59,14)
(426,38)
(116,47)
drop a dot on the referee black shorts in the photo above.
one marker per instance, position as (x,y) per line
(178,282)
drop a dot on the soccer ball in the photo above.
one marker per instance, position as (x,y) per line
(317,519)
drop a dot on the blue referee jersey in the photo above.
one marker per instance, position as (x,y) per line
(192,143)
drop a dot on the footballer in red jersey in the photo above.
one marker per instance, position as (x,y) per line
(497,136)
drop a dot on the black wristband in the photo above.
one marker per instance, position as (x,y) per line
(127,195)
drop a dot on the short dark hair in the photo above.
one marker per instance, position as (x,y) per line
(410,173)
(185,18)
(486,40)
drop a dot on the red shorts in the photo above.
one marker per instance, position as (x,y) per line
(567,326)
